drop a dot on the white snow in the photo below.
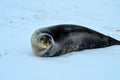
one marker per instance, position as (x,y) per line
(19,19)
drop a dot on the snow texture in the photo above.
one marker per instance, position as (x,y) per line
(19,19)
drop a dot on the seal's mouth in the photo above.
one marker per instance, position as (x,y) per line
(44,44)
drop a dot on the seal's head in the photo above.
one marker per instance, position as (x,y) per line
(41,43)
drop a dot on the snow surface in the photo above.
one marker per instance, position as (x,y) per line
(19,19)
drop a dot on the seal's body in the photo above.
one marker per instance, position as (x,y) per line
(62,39)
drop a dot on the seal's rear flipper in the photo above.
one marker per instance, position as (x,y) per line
(113,41)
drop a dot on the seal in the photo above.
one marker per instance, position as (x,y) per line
(61,39)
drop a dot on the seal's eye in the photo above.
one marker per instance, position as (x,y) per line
(42,38)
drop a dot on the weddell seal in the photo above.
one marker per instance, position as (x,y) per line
(61,39)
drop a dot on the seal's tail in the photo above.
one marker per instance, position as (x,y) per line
(113,41)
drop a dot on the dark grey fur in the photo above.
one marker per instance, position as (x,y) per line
(68,38)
